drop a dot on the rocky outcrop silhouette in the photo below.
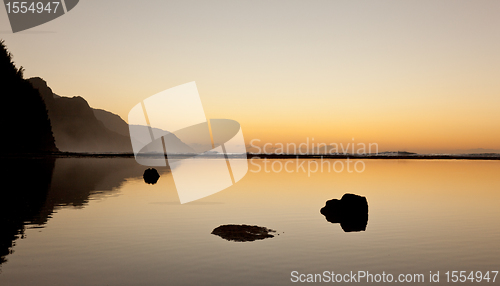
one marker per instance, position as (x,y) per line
(151,176)
(351,211)
(243,233)
(26,127)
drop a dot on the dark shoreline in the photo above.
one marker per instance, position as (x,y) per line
(262,156)
(379,157)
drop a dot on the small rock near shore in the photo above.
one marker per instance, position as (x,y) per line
(151,176)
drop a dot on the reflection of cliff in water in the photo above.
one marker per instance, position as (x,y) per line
(75,179)
(41,186)
(22,198)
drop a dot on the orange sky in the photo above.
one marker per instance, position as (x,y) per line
(409,75)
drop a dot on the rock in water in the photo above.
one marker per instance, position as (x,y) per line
(151,176)
(351,211)
(242,233)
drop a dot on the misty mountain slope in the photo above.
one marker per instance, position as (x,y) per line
(75,127)
(173,144)
(112,121)
(115,123)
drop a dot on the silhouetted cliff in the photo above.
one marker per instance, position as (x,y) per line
(75,127)
(78,127)
(26,128)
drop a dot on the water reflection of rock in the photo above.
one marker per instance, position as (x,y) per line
(38,187)
(351,211)
(151,176)
(243,233)
(76,179)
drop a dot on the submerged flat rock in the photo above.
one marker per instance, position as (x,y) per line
(243,233)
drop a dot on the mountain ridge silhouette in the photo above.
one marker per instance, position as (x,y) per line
(78,127)
(74,125)
(26,124)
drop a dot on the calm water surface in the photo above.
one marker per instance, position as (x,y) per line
(95,222)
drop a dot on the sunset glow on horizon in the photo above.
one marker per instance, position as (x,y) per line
(419,76)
